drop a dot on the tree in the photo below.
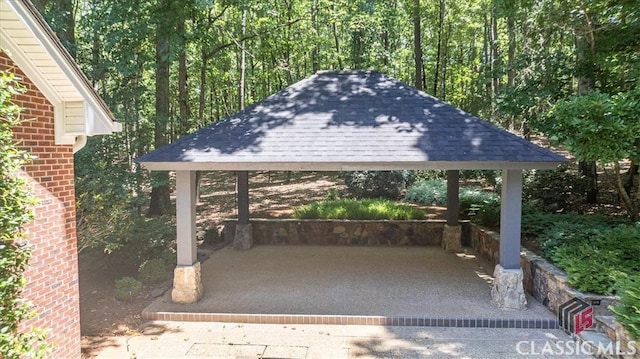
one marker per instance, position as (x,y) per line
(597,127)
(165,25)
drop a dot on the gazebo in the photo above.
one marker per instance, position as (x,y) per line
(346,121)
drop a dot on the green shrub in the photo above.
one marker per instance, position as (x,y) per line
(153,271)
(127,288)
(488,214)
(367,209)
(555,191)
(597,260)
(15,204)
(377,184)
(434,192)
(628,310)
(430,192)
(212,236)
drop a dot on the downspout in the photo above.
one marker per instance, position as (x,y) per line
(81,141)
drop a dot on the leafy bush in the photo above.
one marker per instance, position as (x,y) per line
(130,238)
(212,236)
(127,288)
(488,214)
(14,253)
(377,184)
(153,271)
(434,192)
(555,191)
(596,263)
(358,209)
(430,192)
(628,310)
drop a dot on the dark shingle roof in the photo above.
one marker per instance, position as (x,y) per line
(350,120)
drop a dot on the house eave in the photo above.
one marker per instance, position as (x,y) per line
(98,118)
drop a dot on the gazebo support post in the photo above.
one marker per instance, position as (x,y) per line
(187,283)
(243,238)
(508,289)
(452,234)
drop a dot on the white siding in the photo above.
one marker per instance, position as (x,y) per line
(74,118)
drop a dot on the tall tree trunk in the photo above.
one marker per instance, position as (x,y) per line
(243,62)
(160,202)
(417,45)
(315,52)
(495,59)
(203,88)
(439,49)
(585,50)
(183,90)
(511,53)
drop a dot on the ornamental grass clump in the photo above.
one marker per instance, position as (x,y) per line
(369,209)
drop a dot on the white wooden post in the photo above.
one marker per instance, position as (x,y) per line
(508,288)
(187,283)
(186,217)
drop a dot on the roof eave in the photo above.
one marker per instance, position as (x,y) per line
(359,166)
(49,41)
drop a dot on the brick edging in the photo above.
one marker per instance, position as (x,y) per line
(401,321)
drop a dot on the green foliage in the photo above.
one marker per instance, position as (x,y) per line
(14,252)
(555,191)
(130,238)
(212,236)
(488,214)
(153,271)
(127,289)
(628,310)
(430,192)
(367,209)
(596,126)
(434,192)
(377,184)
(598,259)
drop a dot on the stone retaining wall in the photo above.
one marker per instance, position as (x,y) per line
(548,284)
(344,232)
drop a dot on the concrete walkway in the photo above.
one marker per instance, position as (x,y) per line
(167,340)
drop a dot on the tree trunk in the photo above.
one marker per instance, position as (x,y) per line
(439,49)
(590,171)
(183,90)
(160,202)
(315,52)
(626,200)
(243,62)
(417,45)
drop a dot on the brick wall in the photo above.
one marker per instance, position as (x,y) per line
(52,274)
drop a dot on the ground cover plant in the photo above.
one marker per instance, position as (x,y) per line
(366,209)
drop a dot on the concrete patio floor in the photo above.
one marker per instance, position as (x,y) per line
(334,281)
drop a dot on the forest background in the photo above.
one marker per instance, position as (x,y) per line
(565,69)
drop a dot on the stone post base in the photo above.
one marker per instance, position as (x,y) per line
(244,237)
(508,291)
(452,238)
(187,284)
